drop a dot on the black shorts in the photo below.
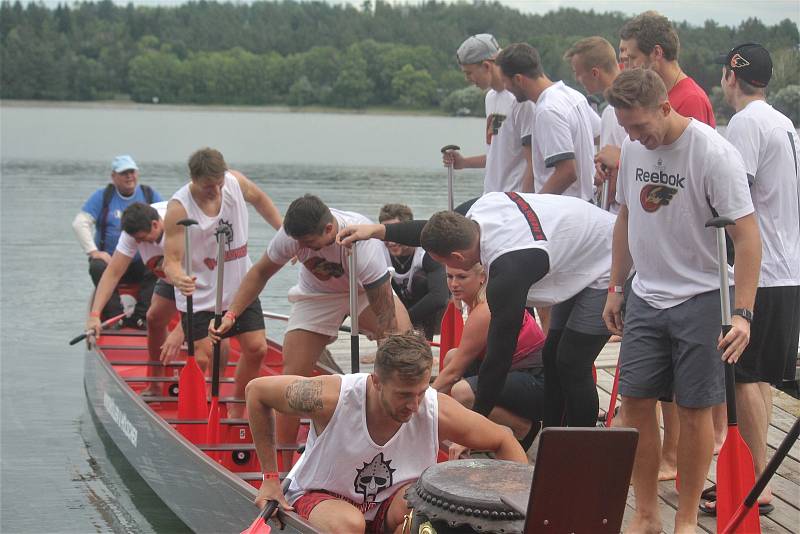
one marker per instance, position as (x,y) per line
(522,394)
(773,336)
(164,289)
(251,319)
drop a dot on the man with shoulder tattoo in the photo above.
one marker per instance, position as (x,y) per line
(372,435)
(320,299)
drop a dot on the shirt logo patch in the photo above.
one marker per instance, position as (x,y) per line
(493,124)
(323,269)
(653,197)
(373,477)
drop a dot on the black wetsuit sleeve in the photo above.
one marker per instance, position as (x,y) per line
(436,297)
(405,233)
(510,277)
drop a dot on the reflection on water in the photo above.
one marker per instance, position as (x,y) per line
(58,475)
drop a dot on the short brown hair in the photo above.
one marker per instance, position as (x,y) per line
(407,356)
(446,232)
(650,29)
(593,52)
(207,163)
(138,217)
(746,88)
(636,88)
(401,212)
(520,58)
(307,215)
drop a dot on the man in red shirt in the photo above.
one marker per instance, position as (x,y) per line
(651,42)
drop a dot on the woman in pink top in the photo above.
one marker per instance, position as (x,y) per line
(519,406)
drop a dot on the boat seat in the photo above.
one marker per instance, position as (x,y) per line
(256,475)
(153,399)
(170,379)
(247,447)
(175,421)
(149,363)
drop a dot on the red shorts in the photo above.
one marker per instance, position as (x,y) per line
(306,503)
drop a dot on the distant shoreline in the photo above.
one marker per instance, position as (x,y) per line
(128,104)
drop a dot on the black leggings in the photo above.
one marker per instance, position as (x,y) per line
(570,395)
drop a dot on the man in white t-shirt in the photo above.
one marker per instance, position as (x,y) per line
(678,175)
(320,299)
(372,435)
(595,66)
(563,124)
(509,123)
(769,146)
(143,233)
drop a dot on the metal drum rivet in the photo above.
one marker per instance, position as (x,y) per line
(460,510)
(546,522)
(605,521)
(495,515)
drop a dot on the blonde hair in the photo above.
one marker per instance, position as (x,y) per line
(593,52)
(633,88)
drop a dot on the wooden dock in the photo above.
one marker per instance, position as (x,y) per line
(785,518)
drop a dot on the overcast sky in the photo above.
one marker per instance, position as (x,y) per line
(726,12)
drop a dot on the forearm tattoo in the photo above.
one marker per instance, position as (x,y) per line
(381,300)
(305,395)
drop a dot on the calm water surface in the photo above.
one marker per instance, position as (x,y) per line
(58,473)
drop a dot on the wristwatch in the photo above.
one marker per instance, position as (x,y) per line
(744,313)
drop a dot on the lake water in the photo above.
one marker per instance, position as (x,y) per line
(58,474)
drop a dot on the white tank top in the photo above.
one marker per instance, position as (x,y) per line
(575,234)
(204,246)
(344,460)
(405,280)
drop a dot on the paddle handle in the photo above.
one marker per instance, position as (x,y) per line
(353,279)
(450,201)
(763,480)
(268,510)
(106,324)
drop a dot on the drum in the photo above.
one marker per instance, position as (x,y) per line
(464,497)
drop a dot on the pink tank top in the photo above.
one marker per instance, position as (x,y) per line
(529,344)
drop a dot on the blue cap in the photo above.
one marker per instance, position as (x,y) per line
(123,163)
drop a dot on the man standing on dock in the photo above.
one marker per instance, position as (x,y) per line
(216,193)
(675,172)
(371,436)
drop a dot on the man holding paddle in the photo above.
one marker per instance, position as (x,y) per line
(670,182)
(320,298)
(216,193)
(371,436)
(769,146)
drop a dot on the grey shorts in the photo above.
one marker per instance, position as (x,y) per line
(582,313)
(164,289)
(673,350)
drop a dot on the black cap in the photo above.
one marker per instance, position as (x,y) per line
(751,62)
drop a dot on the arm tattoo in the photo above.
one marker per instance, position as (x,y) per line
(381,300)
(305,395)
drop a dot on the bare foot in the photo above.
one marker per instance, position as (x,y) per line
(689,528)
(643,525)
(667,471)
(367,358)
(615,339)
(235,411)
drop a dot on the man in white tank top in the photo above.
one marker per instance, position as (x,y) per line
(372,435)
(217,194)
(143,233)
(320,299)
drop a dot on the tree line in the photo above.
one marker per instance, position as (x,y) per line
(313,53)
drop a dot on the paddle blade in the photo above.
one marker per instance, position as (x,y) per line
(260,526)
(212,433)
(192,403)
(452,327)
(735,477)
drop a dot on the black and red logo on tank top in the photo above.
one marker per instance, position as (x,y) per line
(530,216)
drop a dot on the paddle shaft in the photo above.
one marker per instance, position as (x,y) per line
(187,266)
(763,480)
(725,316)
(450,200)
(222,233)
(352,265)
(106,324)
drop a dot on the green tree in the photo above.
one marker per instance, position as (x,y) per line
(302,93)
(413,88)
(787,101)
(470,98)
(155,77)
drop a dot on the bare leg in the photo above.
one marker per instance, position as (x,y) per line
(695,449)
(397,511)
(719,414)
(669,451)
(158,316)
(753,406)
(641,415)
(301,350)
(254,346)
(337,517)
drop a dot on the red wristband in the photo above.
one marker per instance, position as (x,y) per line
(230,315)
(94,314)
(272,475)
(615,289)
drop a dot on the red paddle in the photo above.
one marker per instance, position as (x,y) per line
(735,471)
(613,403)
(192,402)
(260,526)
(223,234)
